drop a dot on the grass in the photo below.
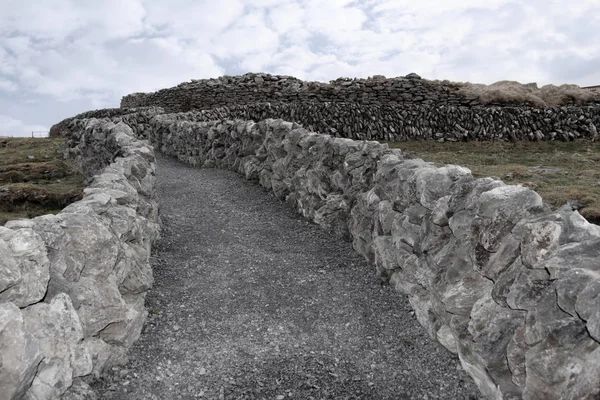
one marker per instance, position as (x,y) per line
(515,92)
(35,179)
(560,172)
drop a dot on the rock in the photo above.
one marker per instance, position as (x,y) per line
(20,354)
(79,391)
(27,283)
(59,333)
(492,328)
(385,256)
(126,331)
(470,361)
(582,254)
(10,273)
(526,289)
(507,197)
(540,240)
(412,75)
(515,356)
(500,210)
(434,183)
(585,385)
(446,338)
(86,234)
(587,304)
(575,354)
(441,211)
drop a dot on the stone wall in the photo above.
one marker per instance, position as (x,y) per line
(259,88)
(492,273)
(377,108)
(73,285)
(421,122)
(63,128)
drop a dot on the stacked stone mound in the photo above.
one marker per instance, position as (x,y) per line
(395,109)
(260,88)
(491,273)
(73,285)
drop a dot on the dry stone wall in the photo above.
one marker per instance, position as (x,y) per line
(492,274)
(421,122)
(397,109)
(64,127)
(259,88)
(73,285)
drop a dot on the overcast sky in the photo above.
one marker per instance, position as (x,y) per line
(62,57)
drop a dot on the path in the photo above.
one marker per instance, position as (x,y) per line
(253,302)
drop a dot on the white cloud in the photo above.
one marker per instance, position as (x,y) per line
(86,50)
(286,17)
(13,127)
(7,86)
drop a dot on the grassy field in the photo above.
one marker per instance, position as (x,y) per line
(35,179)
(558,171)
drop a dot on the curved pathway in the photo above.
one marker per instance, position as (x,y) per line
(253,302)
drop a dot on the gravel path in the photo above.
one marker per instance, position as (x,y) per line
(253,302)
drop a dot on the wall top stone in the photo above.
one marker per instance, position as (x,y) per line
(410,89)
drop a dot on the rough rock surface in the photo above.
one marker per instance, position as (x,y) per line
(489,271)
(72,285)
(254,302)
(509,286)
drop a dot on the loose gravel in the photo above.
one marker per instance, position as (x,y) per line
(253,302)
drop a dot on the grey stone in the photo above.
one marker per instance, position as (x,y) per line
(385,256)
(412,75)
(588,304)
(581,254)
(79,391)
(540,240)
(492,327)
(515,356)
(434,183)
(59,333)
(10,273)
(20,354)
(585,385)
(28,284)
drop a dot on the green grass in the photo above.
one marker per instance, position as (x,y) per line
(35,179)
(558,171)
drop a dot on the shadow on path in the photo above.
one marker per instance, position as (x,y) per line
(253,302)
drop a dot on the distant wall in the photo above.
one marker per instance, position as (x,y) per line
(395,109)
(491,273)
(73,285)
(261,88)
(421,122)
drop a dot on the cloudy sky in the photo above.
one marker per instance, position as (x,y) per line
(62,57)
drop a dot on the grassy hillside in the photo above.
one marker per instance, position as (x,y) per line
(35,179)
(559,171)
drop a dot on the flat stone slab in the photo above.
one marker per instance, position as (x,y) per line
(252,301)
